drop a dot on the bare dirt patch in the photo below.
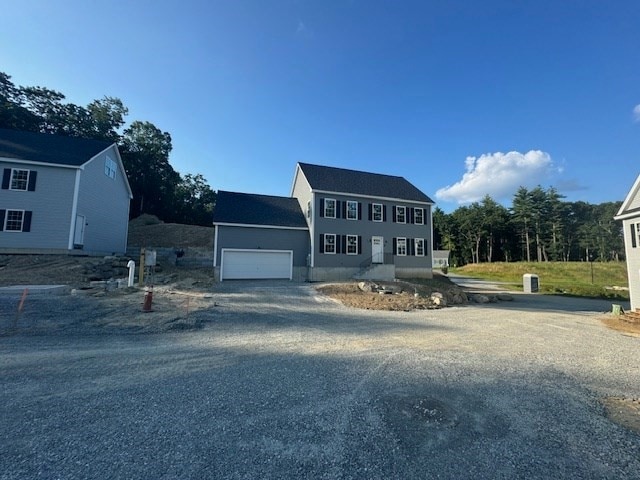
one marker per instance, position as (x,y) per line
(623,411)
(622,324)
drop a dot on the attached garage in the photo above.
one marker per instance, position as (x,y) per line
(245,264)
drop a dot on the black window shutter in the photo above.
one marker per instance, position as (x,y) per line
(384,213)
(359,244)
(395,246)
(2,214)
(6,178)
(633,235)
(393,213)
(412,246)
(344,209)
(343,244)
(26,222)
(336,211)
(322,207)
(359,210)
(32,181)
(321,246)
(370,207)
(411,215)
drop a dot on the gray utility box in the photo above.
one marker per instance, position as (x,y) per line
(530,283)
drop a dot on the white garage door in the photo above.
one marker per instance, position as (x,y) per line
(256,264)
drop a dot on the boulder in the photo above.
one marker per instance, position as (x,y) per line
(504,297)
(438,299)
(481,298)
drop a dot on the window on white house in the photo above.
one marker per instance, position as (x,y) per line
(329,243)
(329,208)
(352,210)
(19,179)
(418,216)
(14,221)
(352,244)
(309,209)
(419,247)
(110,168)
(377,212)
(401,246)
(401,214)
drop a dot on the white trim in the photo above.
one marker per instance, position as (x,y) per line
(247,225)
(414,215)
(31,162)
(26,185)
(373,197)
(357,203)
(347,245)
(373,213)
(261,250)
(335,208)
(404,215)
(74,210)
(6,219)
(406,247)
(627,216)
(215,246)
(335,246)
(628,199)
(415,247)
(312,231)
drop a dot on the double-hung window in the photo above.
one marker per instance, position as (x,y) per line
(329,243)
(352,210)
(352,244)
(377,212)
(418,216)
(329,208)
(19,179)
(419,247)
(110,168)
(401,246)
(14,221)
(401,214)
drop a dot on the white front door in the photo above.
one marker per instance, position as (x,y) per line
(78,236)
(377,250)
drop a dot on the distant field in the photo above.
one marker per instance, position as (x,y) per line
(569,278)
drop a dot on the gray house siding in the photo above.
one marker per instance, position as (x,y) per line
(104,201)
(633,259)
(50,203)
(366,229)
(255,238)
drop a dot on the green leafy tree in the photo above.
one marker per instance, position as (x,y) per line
(195,200)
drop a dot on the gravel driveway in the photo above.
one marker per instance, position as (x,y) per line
(284,383)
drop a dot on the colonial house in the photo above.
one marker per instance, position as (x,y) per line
(337,224)
(629,213)
(61,195)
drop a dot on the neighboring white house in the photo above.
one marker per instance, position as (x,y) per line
(629,213)
(62,195)
(440,258)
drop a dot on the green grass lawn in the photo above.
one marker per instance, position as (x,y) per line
(568,278)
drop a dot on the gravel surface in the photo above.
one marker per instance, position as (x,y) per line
(284,383)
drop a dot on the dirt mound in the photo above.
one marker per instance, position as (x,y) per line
(147,230)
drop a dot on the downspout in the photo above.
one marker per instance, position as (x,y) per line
(74,210)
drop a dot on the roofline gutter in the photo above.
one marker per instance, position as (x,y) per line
(43,164)
(250,225)
(391,199)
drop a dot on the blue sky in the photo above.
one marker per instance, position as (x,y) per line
(463,98)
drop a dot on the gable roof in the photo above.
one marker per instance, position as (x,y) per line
(341,180)
(629,207)
(47,148)
(253,209)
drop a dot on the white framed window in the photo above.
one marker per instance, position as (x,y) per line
(329,243)
(352,244)
(419,247)
(110,168)
(418,216)
(329,208)
(352,210)
(14,221)
(309,209)
(376,209)
(401,214)
(19,179)
(401,246)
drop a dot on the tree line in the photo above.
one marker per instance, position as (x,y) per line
(157,188)
(538,227)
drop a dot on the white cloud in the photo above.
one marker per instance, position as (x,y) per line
(499,175)
(636,113)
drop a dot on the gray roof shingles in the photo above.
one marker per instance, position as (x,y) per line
(253,209)
(341,180)
(46,148)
